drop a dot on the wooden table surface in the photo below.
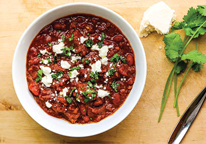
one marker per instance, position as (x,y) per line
(141,126)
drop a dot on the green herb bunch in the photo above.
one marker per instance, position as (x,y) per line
(194,25)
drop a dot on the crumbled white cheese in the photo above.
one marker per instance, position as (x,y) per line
(46,70)
(74,58)
(45,61)
(64,92)
(47,80)
(76,79)
(104,61)
(82,39)
(81,66)
(74,73)
(98,86)
(57,48)
(95,47)
(99,38)
(96,66)
(107,74)
(102,51)
(102,93)
(85,75)
(65,64)
(158,17)
(43,52)
(48,104)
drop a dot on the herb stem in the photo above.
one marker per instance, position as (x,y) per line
(178,90)
(166,92)
(175,91)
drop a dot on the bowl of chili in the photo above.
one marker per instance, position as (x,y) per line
(64,79)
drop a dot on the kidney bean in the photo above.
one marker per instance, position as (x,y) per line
(82,109)
(34,88)
(57,26)
(130,81)
(130,59)
(48,39)
(116,99)
(123,70)
(61,99)
(129,87)
(118,38)
(109,107)
(122,91)
(85,118)
(34,61)
(98,102)
(107,42)
(33,51)
(73,25)
(98,118)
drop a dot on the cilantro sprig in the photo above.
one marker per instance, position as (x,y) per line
(57,75)
(86,93)
(101,42)
(39,74)
(115,58)
(89,43)
(94,75)
(114,85)
(194,25)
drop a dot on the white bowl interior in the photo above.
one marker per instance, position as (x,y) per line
(57,125)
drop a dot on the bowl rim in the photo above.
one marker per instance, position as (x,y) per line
(99,7)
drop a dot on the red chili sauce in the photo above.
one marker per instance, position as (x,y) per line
(80,68)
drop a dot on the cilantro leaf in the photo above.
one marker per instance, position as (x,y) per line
(123,59)
(173,46)
(70,94)
(181,66)
(50,44)
(115,58)
(111,71)
(102,39)
(90,85)
(71,38)
(39,54)
(49,61)
(192,21)
(57,75)
(89,43)
(39,74)
(177,26)
(55,59)
(94,75)
(87,61)
(197,67)
(69,100)
(75,68)
(63,38)
(202,9)
(70,74)
(195,56)
(114,85)
(83,59)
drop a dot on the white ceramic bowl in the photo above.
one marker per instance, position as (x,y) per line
(57,125)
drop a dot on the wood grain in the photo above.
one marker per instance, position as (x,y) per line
(141,126)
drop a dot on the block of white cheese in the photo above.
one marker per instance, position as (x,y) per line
(159,18)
